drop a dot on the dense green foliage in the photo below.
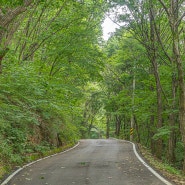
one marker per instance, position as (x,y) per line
(144,78)
(60,82)
(127,62)
(53,53)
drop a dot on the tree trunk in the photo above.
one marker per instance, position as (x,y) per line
(181,98)
(118,125)
(172,138)
(158,151)
(153,59)
(176,51)
(6,19)
(151,134)
(11,14)
(108,127)
(2,55)
(171,142)
(133,101)
(137,130)
(173,12)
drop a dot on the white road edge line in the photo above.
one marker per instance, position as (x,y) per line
(147,166)
(29,164)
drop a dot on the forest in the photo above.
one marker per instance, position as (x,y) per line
(60,81)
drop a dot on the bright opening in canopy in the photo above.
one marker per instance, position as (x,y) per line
(111,23)
(109,27)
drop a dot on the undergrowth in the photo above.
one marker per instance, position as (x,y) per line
(8,168)
(165,169)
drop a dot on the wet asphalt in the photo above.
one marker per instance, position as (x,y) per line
(93,162)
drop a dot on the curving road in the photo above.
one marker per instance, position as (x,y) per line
(93,162)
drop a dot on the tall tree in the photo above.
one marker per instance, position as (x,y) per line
(158,26)
(175,13)
(53,54)
(141,16)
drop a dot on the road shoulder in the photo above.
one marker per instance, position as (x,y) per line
(159,166)
(9,177)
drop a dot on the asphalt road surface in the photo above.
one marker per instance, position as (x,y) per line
(93,162)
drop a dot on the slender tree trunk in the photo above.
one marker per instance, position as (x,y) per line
(2,55)
(137,130)
(172,141)
(91,124)
(177,55)
(158,151)
(151,134)
(181,97)
(118,125)
(108,127)
(153,59)
(133,101)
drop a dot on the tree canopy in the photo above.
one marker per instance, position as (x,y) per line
(60,81)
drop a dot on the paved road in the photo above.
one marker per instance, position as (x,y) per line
(93,162)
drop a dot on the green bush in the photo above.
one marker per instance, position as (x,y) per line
(31,115)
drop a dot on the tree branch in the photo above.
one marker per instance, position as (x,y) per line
(180,19)
(165,7)
(12,14)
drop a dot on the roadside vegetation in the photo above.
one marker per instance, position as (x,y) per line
(60,81)
(49,53)
(164,168)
